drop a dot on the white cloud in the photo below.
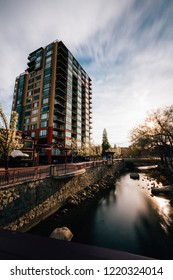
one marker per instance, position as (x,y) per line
(125,46)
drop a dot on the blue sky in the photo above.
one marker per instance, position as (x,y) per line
(126,46)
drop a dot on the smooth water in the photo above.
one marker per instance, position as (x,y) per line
(126,218)
(129,219)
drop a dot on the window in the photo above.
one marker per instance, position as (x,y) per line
(79,124)
(69,105)
(46,93)
(38,64)
(27,120)
(45,108)
(44,124)
(38,72)
(48,65)
(34,119)
(31,81)
(38,77)
(34,112)
(43,132)
(68,126)
(46,86)
(30,87)
(33,134)
(68,134)
(28,106)
(35,105)
(28,99)
(48,59)
(68,112)
(68,119)
(37,90)
(34,126)
(29,93)
(36,97)
(45,100)
(37,84)
(26,127)
(44,116)
(27,113)
(49,53)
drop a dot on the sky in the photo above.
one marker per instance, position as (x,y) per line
(125,46)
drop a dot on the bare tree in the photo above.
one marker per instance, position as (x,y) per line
(8,142)
(156,135)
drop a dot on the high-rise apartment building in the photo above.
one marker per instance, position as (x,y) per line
(53,99)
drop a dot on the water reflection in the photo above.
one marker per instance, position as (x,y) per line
(129,219)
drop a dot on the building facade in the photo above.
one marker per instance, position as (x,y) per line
(53,98)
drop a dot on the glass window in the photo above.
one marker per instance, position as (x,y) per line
(48,65)
(26,127)
(45,100)
(38,77)
(34,119)
(43,132)
(44,116)
(27,120)
(68,134)
(68,119)
(31,80)
(28,113)
(44,124)
(30,87)
(34,112)
(35,105)
(36,97)
(79,124)
(49,53)
(68,112)
(34,126)
(68,126)
(48,59)
(37,90)
(46,86)
(38,72)
(46,93)
(33,134)
(38,64)
(29,93)
(37,84)
(45,108)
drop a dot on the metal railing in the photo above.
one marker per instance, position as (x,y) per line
(16,175)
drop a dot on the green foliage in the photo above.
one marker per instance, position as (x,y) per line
(105,142)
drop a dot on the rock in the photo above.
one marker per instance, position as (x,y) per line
(62,233)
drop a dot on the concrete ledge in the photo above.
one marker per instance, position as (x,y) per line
(23,246)
(70,175)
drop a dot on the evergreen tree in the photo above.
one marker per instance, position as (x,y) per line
(105,142)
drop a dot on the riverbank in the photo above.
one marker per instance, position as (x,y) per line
(164,182)
(76,203)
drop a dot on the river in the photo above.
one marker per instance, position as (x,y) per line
(126,218)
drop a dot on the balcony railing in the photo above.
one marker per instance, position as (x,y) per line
(14,176)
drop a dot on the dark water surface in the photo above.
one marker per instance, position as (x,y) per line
(126,218)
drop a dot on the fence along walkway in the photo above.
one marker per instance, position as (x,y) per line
(13,176)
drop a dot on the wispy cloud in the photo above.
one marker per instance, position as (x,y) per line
(125,46)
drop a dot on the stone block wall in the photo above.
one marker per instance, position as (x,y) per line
(24,205)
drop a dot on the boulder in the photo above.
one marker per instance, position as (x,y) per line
(62,233)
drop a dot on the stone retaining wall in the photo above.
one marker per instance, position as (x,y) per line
(24,205)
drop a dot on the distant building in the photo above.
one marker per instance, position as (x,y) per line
(53,98)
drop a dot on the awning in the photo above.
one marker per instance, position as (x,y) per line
(18,153)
